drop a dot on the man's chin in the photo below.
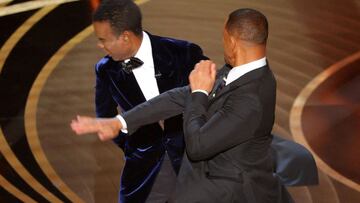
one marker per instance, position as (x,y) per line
(114,58)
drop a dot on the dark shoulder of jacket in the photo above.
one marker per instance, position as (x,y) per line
(177,45)
(103,63)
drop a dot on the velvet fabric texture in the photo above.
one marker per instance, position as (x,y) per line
(145,149)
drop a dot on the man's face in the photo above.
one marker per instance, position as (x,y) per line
(118,47)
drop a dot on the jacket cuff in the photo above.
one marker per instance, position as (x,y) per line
(199,98)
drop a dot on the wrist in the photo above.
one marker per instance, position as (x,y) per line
(201,90)
(117,123)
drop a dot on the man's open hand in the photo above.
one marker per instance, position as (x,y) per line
(106,128)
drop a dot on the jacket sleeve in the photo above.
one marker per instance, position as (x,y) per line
(161,107)
(105,106)
(194,55)
(234,123)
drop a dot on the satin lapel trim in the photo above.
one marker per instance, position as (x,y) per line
(213,92)
(222,73)
(117,88)
(116,80)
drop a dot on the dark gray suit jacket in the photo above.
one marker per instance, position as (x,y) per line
(227,138)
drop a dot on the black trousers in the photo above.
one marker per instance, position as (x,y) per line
(164,187)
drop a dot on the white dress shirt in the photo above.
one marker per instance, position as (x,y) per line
(145,74)
(238,71)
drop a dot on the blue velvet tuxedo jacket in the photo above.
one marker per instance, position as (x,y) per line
(144,150)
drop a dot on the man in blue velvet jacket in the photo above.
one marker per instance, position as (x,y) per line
(138,67)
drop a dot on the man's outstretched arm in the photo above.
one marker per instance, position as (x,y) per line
(165,105)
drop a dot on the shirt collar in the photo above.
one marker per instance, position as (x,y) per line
(145,51)
(238,71)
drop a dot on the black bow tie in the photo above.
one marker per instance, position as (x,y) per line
(131,64)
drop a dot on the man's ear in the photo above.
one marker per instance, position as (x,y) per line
(126,36)
(233,43)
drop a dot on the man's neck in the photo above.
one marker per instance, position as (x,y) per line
(137,40)
(248,58)
(240,62)
(249,53)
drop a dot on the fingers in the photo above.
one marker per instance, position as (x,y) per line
(213,71)
(203,76)
(83,125)
(106,128)
(102,136)
(84,118)
(204,67)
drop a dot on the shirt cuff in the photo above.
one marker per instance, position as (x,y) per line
(123,123)
(203,91)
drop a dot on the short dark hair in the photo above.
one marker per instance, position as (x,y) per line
(123,15)
(249,25)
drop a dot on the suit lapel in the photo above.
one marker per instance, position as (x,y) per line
(215,91)
(163,64)
(221,74)
(125,84)
(248,77)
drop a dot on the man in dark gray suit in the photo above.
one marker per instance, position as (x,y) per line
(228,118)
